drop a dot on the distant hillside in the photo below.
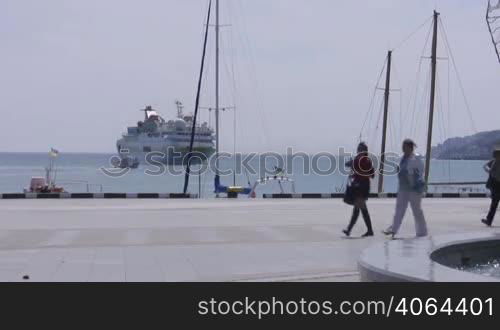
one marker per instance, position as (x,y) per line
(477,146)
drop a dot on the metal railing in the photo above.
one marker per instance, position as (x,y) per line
(87,185)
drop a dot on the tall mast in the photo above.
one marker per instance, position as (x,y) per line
(384,130)
(197,103)
(217,27)
(433,93)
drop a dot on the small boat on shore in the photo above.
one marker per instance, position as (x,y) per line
(47,184)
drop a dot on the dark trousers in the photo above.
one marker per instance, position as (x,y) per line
(355,216)
(495,199)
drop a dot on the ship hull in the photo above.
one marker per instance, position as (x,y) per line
(152,158)
(151,152)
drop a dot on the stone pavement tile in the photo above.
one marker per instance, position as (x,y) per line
(62,238)
(100,237)
(141,265)
(75,266)
(184,235)
(108,265)
(307,233)
(241,234)
(138,236)
(72,272)
(175,264)
(206,234)
(24,239)
(223,262)
(109,255)
(107,273)
(43,265)
(8,275)
(273,233)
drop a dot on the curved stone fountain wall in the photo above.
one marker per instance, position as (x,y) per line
(434,259)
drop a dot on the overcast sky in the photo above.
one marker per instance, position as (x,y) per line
(74,74)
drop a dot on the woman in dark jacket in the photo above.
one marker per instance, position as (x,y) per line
(362,172)
(493,169)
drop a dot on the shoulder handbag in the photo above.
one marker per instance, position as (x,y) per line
(349,196)
(350,192)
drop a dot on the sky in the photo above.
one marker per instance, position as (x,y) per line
(301,73)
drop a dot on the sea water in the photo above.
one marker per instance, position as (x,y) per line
(82,172)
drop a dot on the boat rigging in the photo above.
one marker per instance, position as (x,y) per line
(493,22)
(431,94)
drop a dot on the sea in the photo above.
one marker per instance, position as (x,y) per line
(93,172)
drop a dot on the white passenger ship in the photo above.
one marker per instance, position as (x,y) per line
(170,137)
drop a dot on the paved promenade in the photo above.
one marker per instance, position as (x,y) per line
(202,240)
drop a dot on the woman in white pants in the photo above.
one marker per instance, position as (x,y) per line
(410,191)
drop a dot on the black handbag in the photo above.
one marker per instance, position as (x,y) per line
(349,195)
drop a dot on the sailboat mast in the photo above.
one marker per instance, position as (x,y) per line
(432,100)
(384,130)
(217,28)
(197,103)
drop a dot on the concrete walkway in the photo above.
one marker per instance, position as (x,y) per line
(201,240)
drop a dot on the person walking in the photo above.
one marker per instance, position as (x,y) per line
(493,184)
(362,171)
(410,191)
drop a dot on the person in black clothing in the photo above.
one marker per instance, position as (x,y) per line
(362,172)
(493,169)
